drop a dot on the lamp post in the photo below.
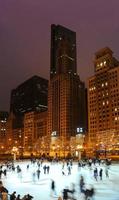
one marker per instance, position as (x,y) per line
(14,151)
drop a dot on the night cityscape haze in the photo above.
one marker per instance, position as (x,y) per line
(25,37)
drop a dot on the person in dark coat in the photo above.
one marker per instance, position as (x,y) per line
(89,193)
(95,173)
(29,197)
(100,173)
(38,174)
(18,197)
(65,194)
(53,190)
(81,184)
(13,196)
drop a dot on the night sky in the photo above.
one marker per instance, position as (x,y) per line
(25,27)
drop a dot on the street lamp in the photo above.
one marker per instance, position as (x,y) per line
(14,151)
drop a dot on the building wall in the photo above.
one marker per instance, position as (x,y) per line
(35,127)
(3,122)
(103,98)
(14,133)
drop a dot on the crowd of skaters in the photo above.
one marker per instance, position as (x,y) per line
(66,170)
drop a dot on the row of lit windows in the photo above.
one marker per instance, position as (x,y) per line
(92,89)
(116,118)
(3,129)
(101,63)
(101,78)
(3,121)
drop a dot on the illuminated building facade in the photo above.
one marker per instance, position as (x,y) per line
(35,129)
(3,121)
(29,96)
(66,98)
(103,102)
(15,132)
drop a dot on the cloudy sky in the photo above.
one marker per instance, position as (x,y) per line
(25,37)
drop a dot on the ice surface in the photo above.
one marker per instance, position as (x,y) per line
(105,189)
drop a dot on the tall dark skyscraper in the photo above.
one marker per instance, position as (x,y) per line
(63,50)
(30,96)
(66,99)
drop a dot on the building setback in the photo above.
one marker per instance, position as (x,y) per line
(103,101)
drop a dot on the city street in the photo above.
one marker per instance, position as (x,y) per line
(25,182)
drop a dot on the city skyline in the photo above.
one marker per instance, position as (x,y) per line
(25,37)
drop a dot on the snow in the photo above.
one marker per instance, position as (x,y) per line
(24,183)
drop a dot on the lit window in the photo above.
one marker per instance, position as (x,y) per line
(105,62)
(107,102)
(106,83)
(115,109)
(103,103)
(101,64)
(116,118)
(102,84)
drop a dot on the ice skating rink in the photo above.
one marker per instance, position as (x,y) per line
(27,181)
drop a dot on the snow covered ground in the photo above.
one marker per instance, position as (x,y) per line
(105,189)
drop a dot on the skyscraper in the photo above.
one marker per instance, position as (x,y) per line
(103,101)
(66,99)
(63,50)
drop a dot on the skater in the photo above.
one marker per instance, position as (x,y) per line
(53,190)
(38,174)
(48,169)
(69,170)
(44,168)
(65,193)
(100,173)
(107,172)
(95,173)
(13,196)
(34,177)
(89,193)
(81,184)
(29,197)
(18,197)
